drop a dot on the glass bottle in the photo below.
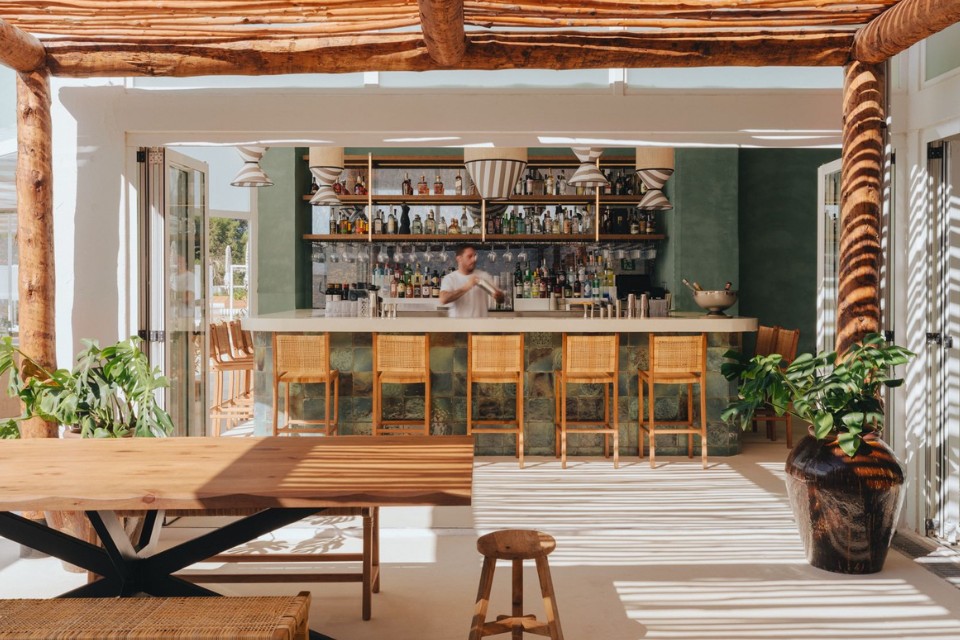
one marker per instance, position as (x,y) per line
(337,188)
(417,227)
(561,184)
(441,226)
(392,223)
(357,186)
(454,227)
(378,221)
(423,189)
(550,184)
(438,187)
(314,187)
(430,225)
(404,219)
(464,228)
(529,190)
(548,222)
(406,187)
(334,225)
(458,185)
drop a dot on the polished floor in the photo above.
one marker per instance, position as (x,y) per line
(674,553)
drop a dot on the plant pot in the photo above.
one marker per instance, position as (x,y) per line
(846,508)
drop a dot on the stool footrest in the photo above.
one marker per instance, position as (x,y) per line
(506,624)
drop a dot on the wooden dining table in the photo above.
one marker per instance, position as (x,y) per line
(287,478)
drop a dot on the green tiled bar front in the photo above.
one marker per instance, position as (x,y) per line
(352,355)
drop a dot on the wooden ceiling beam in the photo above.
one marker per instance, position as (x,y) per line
(441,22)
(407,52)
(19,50)
(902,26)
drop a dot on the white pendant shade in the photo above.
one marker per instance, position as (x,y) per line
(326,165)
(588,174)
(654,199)
(495,170)
(325,195)
(250,174)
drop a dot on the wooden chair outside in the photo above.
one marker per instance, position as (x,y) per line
(240,340)
(304,359)
(400,359)
(784,343)
(237,405)
(588,360)
(675,360)
(496,359)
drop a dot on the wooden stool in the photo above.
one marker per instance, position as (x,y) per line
(401,359)
(496,359)
(675,360)
(588,360)
(306,360)
(224,360)
(516,545)
(784,343)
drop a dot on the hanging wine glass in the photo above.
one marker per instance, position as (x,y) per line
(398,254)
(444,256)
(522,256)
(491,256)
(382,255)
(412,255)
(427,255)
(508,255)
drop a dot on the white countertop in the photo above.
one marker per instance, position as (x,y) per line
(311,320)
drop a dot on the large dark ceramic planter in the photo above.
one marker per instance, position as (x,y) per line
(846,508)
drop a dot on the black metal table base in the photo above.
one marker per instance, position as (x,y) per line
(126,568)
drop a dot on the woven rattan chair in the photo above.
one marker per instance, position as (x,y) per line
(304,359)
(496,359)
(675,360)
(400,359)
(237,405)
(784,343)
(588,360)
(240,340)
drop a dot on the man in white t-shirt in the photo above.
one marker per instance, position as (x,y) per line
(459,288)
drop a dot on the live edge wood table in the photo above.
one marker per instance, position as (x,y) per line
(289,478)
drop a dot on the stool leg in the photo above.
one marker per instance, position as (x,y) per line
(556,412)
(517,598)
(616,424)
(640,428)
(690,418)
(606,420)
(376,549)
(483,598)
(703,422)
(549,599)
(336,404)
(563,425)
(367,570)
(276,404)
(520,417)
(326,407)
(653,428)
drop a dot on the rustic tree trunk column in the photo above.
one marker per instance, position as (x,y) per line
(858,297)
(35,229)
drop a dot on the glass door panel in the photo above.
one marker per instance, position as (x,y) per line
(828,243)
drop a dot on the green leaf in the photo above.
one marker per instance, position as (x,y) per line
(849,443)
(822,425)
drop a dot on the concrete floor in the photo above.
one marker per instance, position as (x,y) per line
(674,553)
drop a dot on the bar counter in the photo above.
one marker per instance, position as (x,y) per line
(351,342)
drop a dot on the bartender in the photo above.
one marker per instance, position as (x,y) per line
(459,288)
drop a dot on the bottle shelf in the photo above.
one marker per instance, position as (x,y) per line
(476,238)
(475,200)
(411,200)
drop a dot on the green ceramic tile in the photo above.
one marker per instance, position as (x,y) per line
(459,359)
(441,359)
(443,340)
(363,359)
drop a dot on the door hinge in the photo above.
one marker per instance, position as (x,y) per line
(141,156)
(935,153)
(152,336)
(888,335)
(931,525)
(934,338)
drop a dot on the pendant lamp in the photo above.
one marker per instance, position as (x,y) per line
(250,174)
(654,166)
(495,170)
(588,174)
(326,165)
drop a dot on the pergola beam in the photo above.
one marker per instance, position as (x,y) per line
(441,22)
(861,197)
(406,52)
(902,26)
(19,50)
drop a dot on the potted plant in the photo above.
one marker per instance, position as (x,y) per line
(110,393)
(843,481)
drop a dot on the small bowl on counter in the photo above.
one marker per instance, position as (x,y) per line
(715,302)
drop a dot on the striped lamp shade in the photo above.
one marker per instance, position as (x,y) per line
(250,174)
(325,177)
(654,166)
(588,174)
(654,199)
(496,170)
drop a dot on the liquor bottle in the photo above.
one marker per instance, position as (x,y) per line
(649,223)
(561,188)
(454,227)
(438,187)
(334,225)
(378,222)
(314,187)
(518,188)
(618,187)
(608,188)
(357,186)
(498,223)
(491,224)
(404,219)
(344,223)
(463,221)
(423,188)
(392,222)
(522,223)
(337,188)
(393,287)
(406,187)
(435,282)
(417,227)
(417,282)
(530,179)
(441,227)
(430,225)
(634,224)
(458,185)
(549,184)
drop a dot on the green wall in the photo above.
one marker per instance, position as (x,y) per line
(284,274)
(778,238)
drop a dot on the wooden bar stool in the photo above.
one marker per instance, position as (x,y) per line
(400,359)
(785,343)
(496,359)
(516,545)
(675,360)
(237,406)
(305,360)
(588,360)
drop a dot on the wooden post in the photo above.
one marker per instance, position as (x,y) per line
(861,177)
(35,229)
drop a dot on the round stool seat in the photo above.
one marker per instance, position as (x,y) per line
(516,544)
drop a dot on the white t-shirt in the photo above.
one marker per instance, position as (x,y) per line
(472,304)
